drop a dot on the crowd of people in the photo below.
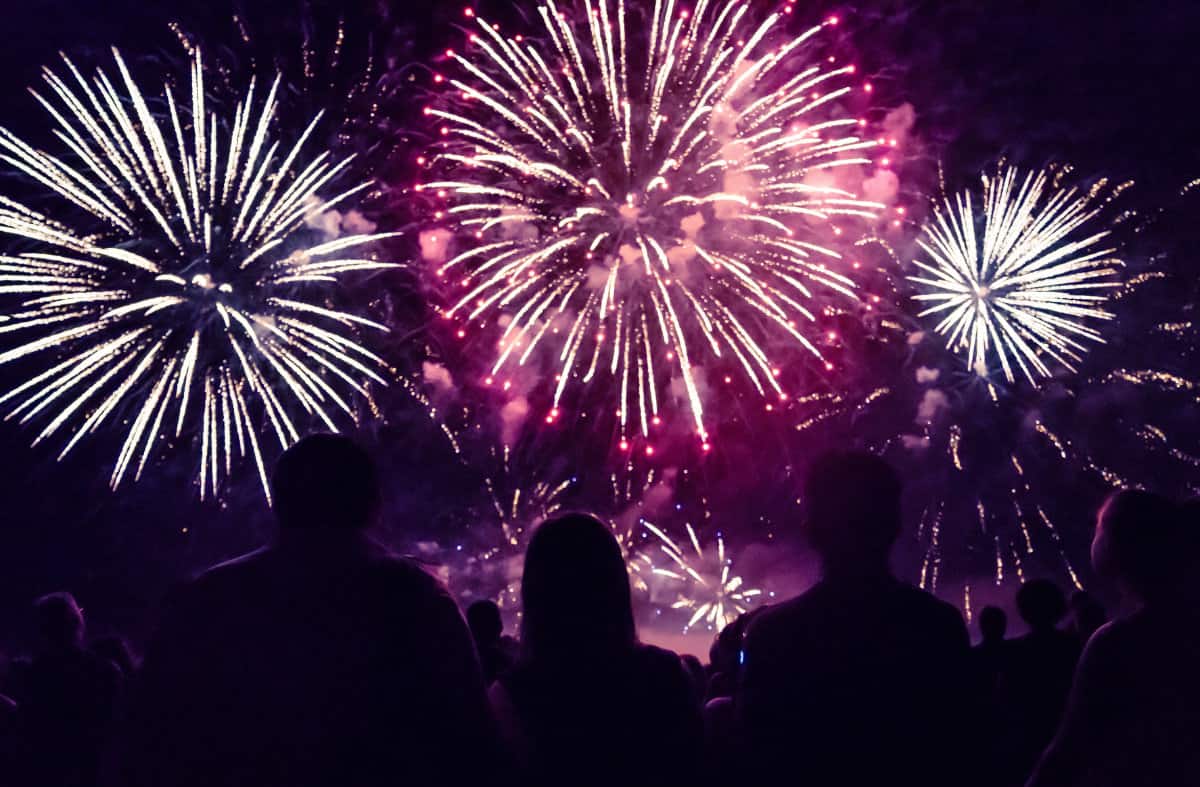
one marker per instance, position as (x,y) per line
(324,660)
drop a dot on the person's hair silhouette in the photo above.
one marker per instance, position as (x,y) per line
(575,590)
(585,695)
(1138,543)
(852,512)
(993,623)
(325,481)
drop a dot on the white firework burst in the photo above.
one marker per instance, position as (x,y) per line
(1025,288)
(174,289)
(646,193)
(716,595)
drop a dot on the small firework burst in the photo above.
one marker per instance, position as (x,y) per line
(1028,284)
(714,594)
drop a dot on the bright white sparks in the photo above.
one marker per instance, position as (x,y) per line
(715,594)
(173,295)
(637,195)
(1025,288)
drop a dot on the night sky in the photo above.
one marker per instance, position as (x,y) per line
(1109,88)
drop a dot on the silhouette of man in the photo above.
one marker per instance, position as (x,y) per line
(496,655)
(989,654)
(862,679)
(70,700)
(1037,677)
(320,660)
(1133,716)
(993,624)
(989,660)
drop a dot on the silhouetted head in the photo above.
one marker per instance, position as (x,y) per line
(1041,604)
(852,511)
(1087,614)
(1139,543)
(575,591)
(992,624)
(483,618)
(59,621)
(325,482)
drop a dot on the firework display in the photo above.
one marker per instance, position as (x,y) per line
(986,462)
(181,287)
(1025,285)
(643,192)
(654,258)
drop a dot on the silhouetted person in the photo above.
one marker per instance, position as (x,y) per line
(487,628)
(70,699)
(1037,677)
(724,748)
(989,659)
(587,704)
(725,656)
(862,679)
(990,654)
(1087,615)
(993,625)
(1133,717)
(320,660)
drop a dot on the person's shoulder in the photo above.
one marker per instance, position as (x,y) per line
(778,624)
(925,603)
(795,607)
(405,572)
(232,569)
(1114,636)
(787,614)
(217,582)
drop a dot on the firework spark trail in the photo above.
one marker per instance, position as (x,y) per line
(522,503)
(716,595)
(1027,285)
(179,297)
(646,197)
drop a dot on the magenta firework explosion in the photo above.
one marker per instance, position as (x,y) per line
(641,192)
